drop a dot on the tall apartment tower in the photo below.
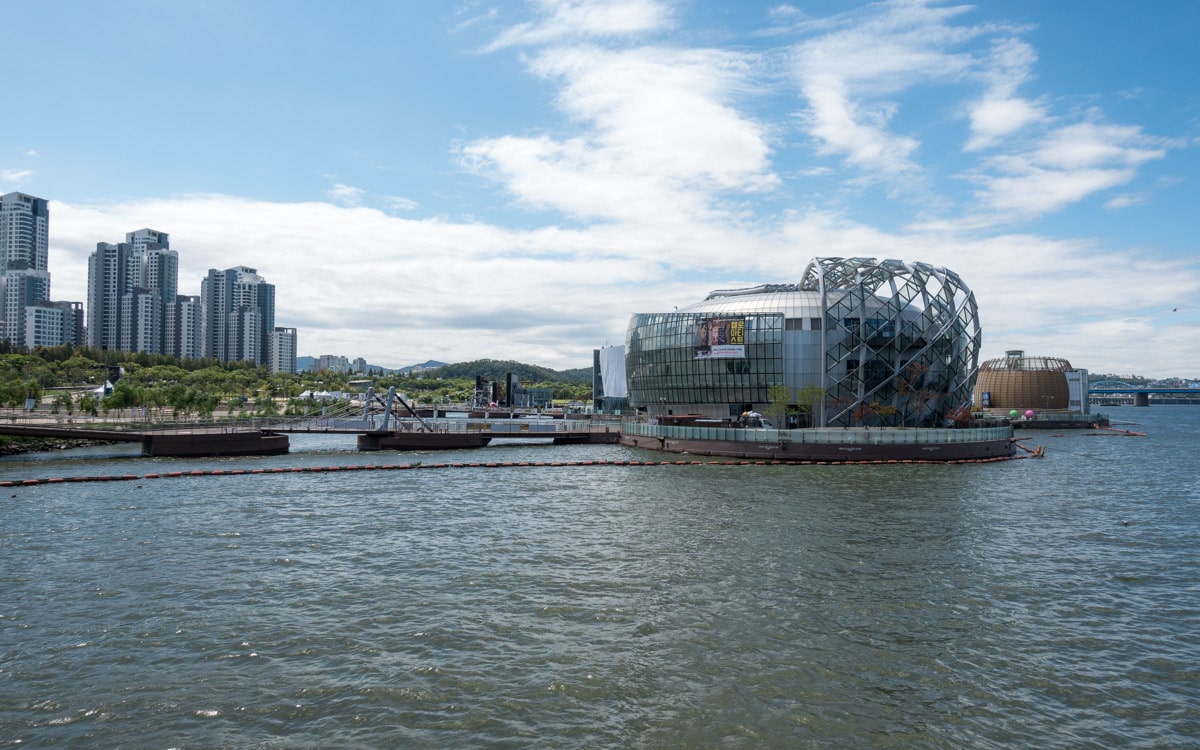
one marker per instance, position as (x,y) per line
(283,350)
(237,315)
(24,249)
(24,230)
(154,284)
(23,287)
(132,288)
(182,334)
(108,274)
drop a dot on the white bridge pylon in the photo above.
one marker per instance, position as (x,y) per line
(389,405)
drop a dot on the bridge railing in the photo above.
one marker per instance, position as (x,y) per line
(141,420)
(134,420)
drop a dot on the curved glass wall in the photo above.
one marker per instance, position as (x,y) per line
(682,359)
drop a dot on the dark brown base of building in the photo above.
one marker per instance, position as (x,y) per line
(215,444)
(422,441)
(1059,424)
(828,452)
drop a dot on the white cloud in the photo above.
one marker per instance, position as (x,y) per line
(397,203)
(1127,200)
(1064,167)
(15,176)
(563,20)
(659,167)
(856,69)
(661,137)
(847,76)
(489,15)
(345,195)
(999,112)
(998,116)
(358,282)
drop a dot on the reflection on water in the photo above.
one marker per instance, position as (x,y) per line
(1028,603)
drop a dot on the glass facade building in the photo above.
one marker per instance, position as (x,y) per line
(857,341)
(666,364)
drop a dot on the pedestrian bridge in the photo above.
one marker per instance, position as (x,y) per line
(161,435)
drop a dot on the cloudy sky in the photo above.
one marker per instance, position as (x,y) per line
(438,180)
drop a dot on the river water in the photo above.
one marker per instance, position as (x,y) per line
(1049,602)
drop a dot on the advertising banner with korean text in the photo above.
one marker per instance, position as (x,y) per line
(721,338)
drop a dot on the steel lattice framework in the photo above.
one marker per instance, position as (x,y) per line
(901,340)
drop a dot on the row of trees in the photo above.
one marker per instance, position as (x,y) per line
(66,377)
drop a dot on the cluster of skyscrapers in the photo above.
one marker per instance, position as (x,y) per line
(133,302)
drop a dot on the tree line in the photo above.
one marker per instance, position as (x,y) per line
(70,380)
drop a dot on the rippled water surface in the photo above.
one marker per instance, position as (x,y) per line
(1033,603)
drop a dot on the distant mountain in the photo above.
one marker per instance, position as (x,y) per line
(304,364)
(492,368)
(498,369)
(430,364)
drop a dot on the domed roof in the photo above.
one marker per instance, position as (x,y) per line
(826,279)
(788,299)
(1016,361)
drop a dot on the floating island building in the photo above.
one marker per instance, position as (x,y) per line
(784,371)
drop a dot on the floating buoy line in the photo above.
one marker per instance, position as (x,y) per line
(1098,432)
(1030,453)
(1116,432)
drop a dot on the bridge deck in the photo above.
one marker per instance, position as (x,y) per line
(1135,389)
(70,433)
(131,431)
(495,428)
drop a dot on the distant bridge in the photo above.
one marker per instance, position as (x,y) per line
(1116,386)
(1140,393)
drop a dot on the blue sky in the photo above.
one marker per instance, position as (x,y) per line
(439,180)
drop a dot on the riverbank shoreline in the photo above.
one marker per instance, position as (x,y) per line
(15,446)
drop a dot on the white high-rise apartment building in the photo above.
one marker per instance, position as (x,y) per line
(23,287)
(132,290)
(237,315)
(182,332)
(24,249)
(283,350)
(52,323)
(24,230)
(108,273)
(141,322)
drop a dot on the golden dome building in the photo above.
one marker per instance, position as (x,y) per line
(1025,386)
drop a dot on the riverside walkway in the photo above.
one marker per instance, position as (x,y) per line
(163,435)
